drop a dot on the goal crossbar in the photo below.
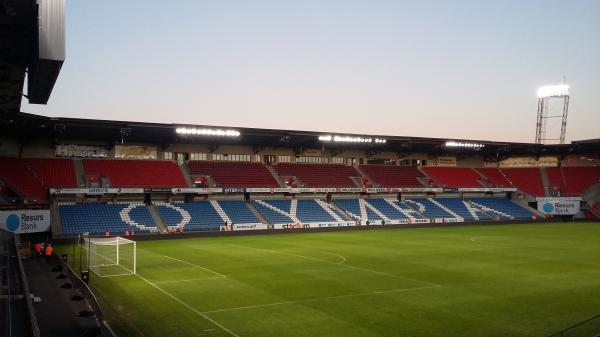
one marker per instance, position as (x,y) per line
(112,256)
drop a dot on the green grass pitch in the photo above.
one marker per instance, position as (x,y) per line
(495,280)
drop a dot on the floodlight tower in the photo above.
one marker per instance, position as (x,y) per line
(545,94)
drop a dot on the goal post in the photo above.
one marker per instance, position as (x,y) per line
(113,256)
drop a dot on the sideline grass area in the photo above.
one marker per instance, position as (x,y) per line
(509,280)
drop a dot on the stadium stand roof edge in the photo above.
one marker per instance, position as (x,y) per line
(58,129)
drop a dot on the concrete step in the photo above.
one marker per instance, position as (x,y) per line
(257,213)
(280,181)
(79,172)
(162,228)
(186,175)
(55,222)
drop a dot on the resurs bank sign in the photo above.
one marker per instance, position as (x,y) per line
(559,206)
(25,221)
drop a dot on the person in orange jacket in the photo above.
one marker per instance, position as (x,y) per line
(48,251)
(38,248)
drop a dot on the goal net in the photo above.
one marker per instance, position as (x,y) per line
(113,256)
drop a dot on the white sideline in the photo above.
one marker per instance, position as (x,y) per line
(339,264)
(321,298)
(188,306)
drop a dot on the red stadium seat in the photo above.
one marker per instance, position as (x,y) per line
(19,178)
(454,176)
(528,180)
(320,175)
(137,173)
(234,174)
(53,172)
(393,176)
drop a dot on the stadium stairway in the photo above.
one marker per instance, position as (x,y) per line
(275,175)
(79,173)
(55,223)
(330,208)
(158,221)
(256,213)
(545,181)
(365,175)
(185,172)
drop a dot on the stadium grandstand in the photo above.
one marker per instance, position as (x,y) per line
(381,217)
(140,186)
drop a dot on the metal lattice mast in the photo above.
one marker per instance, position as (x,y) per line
(545,95)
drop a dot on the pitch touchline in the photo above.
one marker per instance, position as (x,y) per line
(338,264)
(321,299)
(188,306)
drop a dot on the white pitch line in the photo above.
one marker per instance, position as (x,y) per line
(338,255)
(321,299)
(189,307)
(189,280)
(195,265)
(343,265)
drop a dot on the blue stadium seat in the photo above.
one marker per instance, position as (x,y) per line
(503,205)
(310,211)
(238,212)
(96,218)
(272,216)
(430,209)
(387,209)
(203,215)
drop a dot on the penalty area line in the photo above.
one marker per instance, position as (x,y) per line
(315,299)
(341,264)
(201,314)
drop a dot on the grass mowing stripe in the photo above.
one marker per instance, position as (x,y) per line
(338,264)
(189,307)
(188,280)
(195,265)
(322,299)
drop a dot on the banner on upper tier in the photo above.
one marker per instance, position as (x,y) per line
(446,161)
(96,190)
(25,221)
(488,189)
(559,206)
(135,152)
(212,190)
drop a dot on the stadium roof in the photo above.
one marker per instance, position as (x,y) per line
(28,127)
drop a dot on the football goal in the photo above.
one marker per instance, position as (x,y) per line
(112,256)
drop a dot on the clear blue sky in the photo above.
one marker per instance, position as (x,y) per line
(456,69)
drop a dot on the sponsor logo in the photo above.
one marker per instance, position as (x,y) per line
(548,207)
(12,222)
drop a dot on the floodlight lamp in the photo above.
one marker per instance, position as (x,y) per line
(559,90)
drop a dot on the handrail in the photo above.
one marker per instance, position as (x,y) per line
(561,333)
(83,288)
(35,329)
(8,295)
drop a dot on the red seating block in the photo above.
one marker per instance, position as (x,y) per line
(495,176)
(320,175)
(393,176)
(53,172)
(137,173)
(573,181)
(454,176)
(20,179)
(234,174)
(528,180)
